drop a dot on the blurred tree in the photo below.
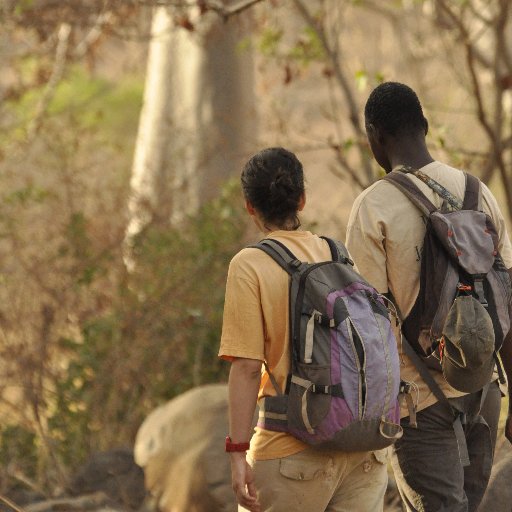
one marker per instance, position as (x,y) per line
(198,112)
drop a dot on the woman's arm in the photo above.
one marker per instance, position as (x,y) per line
(244,382)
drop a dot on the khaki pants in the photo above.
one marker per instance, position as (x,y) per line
(322,481)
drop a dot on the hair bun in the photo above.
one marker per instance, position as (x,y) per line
(273,181)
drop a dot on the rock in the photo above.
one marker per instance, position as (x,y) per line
(96,502)
(498,496)
(114,473)
(180,445)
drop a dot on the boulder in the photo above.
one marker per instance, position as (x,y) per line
(180,447)
(498,496)
(113,473)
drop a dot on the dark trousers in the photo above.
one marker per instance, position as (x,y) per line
(426,461)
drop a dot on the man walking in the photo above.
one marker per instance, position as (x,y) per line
(385,237)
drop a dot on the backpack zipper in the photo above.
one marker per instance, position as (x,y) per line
(357,343)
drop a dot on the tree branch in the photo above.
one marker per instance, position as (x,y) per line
(342,80)
(226,12)
(11,504)
(57,73)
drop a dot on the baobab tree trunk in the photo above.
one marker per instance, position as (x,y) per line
(196,117)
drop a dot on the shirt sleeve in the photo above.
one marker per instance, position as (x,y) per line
(366,243)
(505,246)
(243,332)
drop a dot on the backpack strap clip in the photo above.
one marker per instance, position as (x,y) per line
(478,286)
(295,263)
(333,390)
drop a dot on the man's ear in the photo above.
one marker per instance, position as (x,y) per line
(374,133)
(426,125)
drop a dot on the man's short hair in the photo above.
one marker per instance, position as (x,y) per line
(395,109)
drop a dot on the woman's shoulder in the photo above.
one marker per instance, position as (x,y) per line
(245,263)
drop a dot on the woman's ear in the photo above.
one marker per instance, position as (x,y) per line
(302,202)
(249,207)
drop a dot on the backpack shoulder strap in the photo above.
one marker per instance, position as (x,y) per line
(280,254)
(405,185)
(339,252)
(472,196)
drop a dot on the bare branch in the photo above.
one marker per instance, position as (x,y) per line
(343,82)
(93,35)
(11,504)
(232,10)
(57,73)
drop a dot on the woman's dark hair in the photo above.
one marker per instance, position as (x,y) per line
(273,182)
(395,109)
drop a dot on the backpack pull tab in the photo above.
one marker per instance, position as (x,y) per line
(405,394)
(310,331)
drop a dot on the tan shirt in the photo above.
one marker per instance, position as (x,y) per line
(385,236)
(256,323)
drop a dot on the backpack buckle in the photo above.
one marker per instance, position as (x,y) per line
(319,388)
(295,263)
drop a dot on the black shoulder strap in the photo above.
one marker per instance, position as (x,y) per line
(472,194)
(403,183)
(289,262)
(280,254)
(339,252)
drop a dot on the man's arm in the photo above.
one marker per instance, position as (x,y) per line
(506,359)
(243,386)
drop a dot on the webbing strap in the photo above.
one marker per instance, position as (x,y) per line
(453,201)
(339,252)
(308,341)
(499,366)
(472,196)
(289,262)
(478,287)
(280,254)
(441,397)
(411,407)
(461,441)
(403,183)
(272,379)
(306,384)
(425,373)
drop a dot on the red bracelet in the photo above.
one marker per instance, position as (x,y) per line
(236,447)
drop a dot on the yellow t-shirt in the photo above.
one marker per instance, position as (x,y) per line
(256,323)
(385,237)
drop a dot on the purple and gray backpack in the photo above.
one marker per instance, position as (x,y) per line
(343,386)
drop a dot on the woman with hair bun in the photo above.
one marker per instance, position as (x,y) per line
(279,473)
